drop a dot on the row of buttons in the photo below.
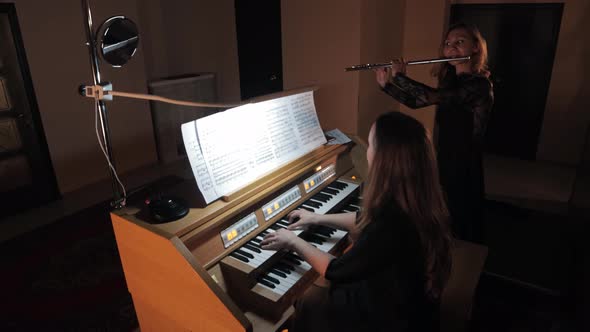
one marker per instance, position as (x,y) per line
(318,178)
(272,209)
(238,230)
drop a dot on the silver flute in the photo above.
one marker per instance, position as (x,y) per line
(409,63)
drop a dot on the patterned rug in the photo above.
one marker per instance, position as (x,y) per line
(66,276)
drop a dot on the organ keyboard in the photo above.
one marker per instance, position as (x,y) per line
(207,271)
(270,280)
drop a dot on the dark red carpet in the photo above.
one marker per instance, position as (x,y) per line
(66,276)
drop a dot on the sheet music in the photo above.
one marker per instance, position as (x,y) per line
(193,151)
(307,121)
(242,144)
(337,137)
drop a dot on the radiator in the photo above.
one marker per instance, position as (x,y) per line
(167,118)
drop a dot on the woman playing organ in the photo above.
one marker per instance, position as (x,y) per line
(392,277)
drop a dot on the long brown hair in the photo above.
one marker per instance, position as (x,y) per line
(479,60)
(404,176)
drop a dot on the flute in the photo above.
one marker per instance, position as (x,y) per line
(409,63)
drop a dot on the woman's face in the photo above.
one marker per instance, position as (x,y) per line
(459,43)
(371,148)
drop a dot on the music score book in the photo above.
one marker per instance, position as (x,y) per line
(231,149)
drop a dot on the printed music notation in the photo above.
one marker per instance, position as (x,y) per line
(229,150)
(199,168)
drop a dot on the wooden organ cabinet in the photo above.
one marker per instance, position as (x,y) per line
(205,271)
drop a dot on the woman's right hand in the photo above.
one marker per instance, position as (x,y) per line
(301,219)
(398,66)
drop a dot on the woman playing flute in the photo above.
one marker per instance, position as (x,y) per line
(464,100)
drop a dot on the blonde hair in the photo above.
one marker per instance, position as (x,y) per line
(479,60)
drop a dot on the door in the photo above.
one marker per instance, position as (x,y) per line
(258,26)
(26,174)
(522,39)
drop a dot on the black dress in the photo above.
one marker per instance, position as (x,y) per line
(464,104)
(378,285)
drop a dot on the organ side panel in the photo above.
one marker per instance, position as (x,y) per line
(160,270)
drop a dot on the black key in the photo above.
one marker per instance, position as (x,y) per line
(255,240)
(283,268)
(330,191)
(322,236)
(340,185)
(243,253)
(293,260)
(240,257)
(295,256)
(306,208)
(313,239)
(275,227)
(321,197)
(322,231)
(319,202)
(253,248)
(266,283)
(283,223)
(333,187)
(255,244)
(271,279)
(326,229)
(312,204)
(351,208)
(279,273)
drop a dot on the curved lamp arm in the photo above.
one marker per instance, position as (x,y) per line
(167,100)
(105,92)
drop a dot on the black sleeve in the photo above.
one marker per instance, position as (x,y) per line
(366,256)
(409,92)
(474,94)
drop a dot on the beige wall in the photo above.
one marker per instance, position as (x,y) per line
(153,39)
(176,37)
(191,37)
(424,26)
(320,39)
(54,41)
(381,40)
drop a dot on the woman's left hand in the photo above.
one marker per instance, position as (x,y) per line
(398,66)
(281,239)
(382,75)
